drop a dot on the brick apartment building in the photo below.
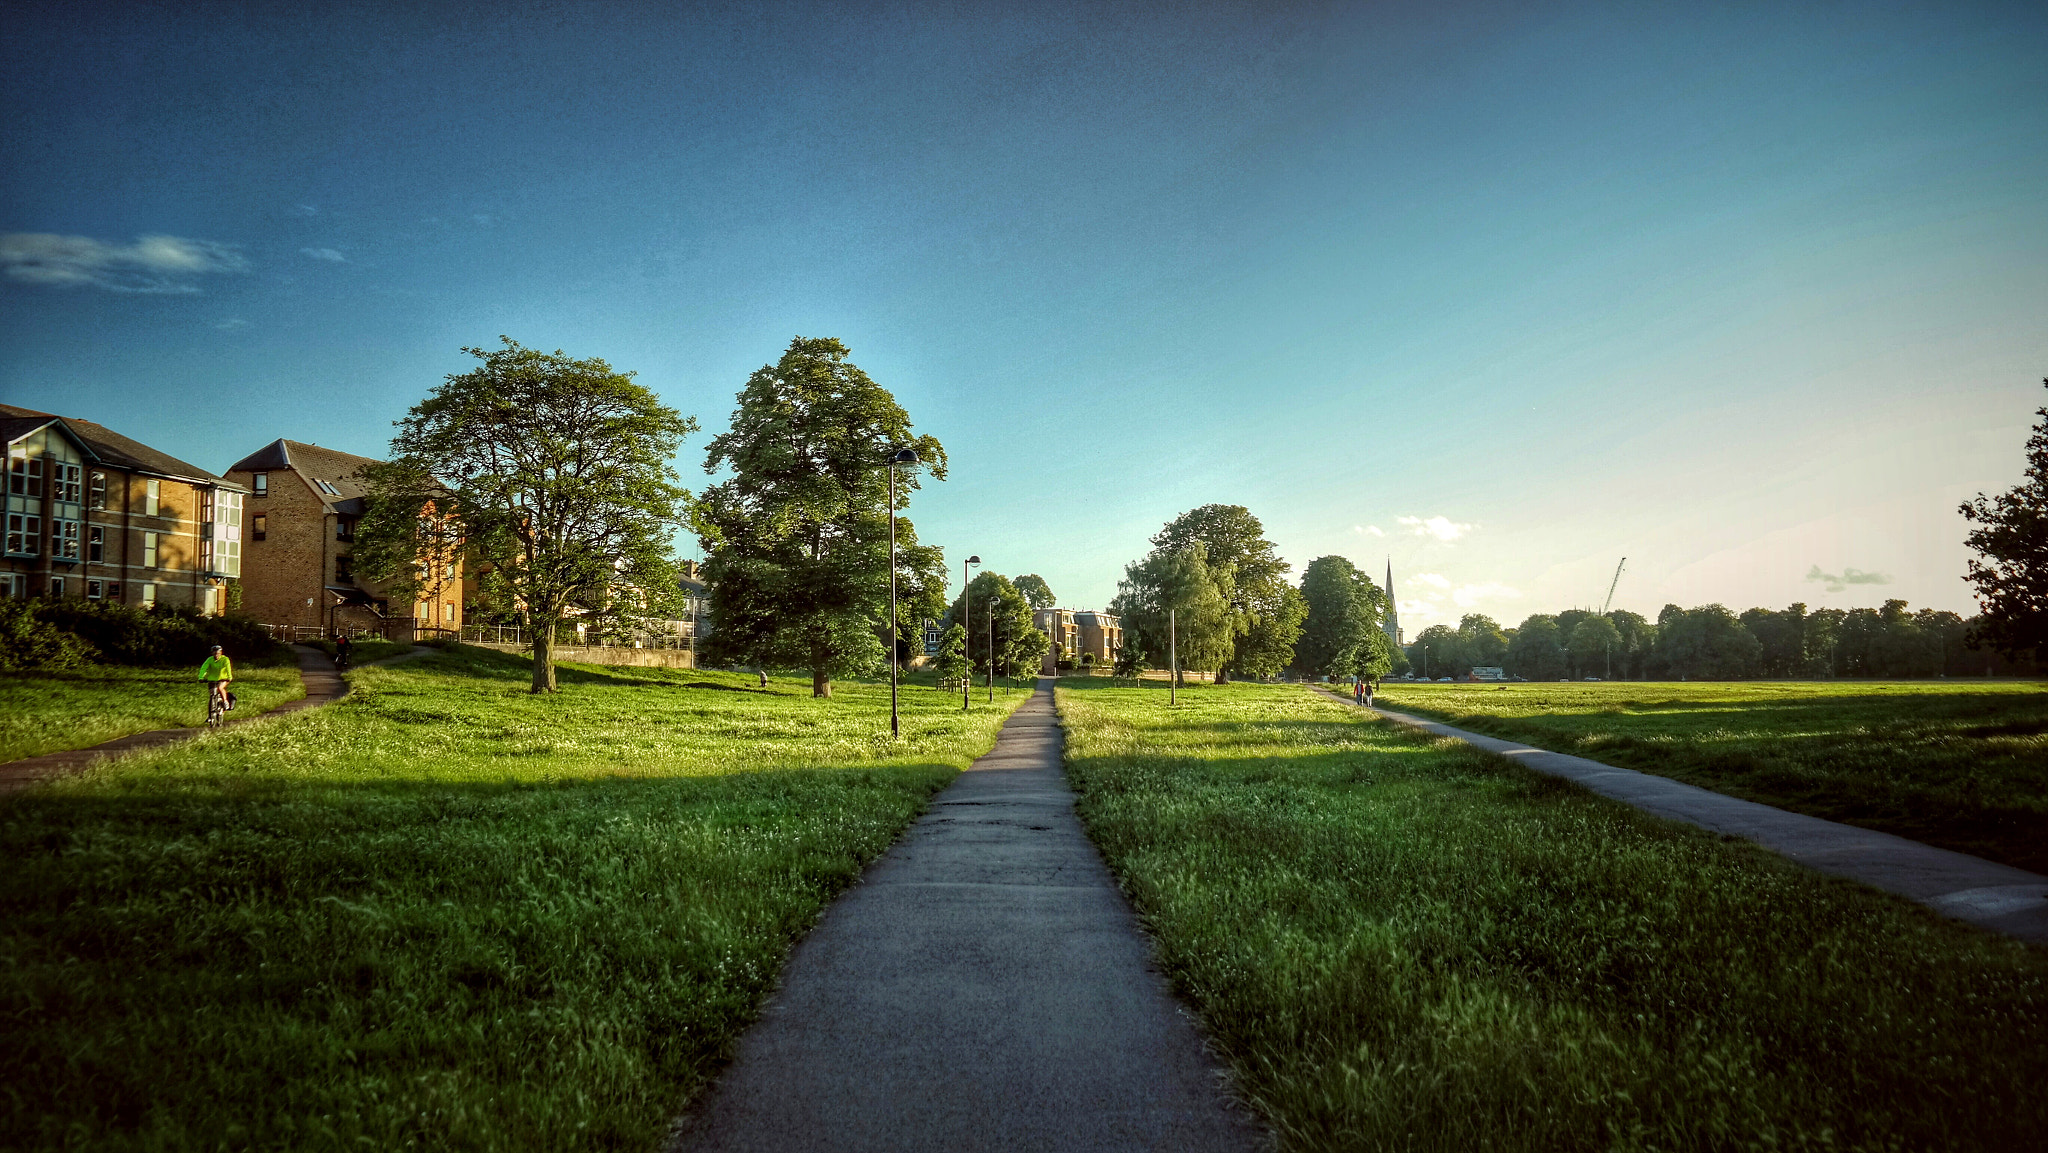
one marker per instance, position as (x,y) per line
(304,502)
(90,513)
(1077,631)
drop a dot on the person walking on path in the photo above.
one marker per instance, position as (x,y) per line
(219,672)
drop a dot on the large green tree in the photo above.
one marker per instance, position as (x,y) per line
(796,540)
(1706,643)
(1483,640)
(1176,587)
(557,472)
(1536,652)
(1439,652)
(1036,591)
(1264,624)
(2010,569)
(995,603)
(1593,644)
(1345,609)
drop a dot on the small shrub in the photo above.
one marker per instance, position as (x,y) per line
(166,637)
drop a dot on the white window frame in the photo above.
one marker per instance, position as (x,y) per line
(24,534)
(148,595)
(151,548)
(152,498)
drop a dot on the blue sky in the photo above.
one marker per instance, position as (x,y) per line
(1754,295)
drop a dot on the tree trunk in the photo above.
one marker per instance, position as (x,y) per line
(1222,676)
(544,658)
(821,684)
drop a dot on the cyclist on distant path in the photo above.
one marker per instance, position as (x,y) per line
(219,673)
(344,650)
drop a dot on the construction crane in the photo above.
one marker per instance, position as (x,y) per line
(1609,603)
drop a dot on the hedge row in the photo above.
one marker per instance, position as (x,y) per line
(64,634)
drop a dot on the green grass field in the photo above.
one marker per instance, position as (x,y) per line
(1959,764)
(48,712)
(1400,943)
(442,912)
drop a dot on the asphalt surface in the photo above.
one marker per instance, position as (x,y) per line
(985,987)
(1985,893)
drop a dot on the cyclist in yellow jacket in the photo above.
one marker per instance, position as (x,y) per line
(219,673)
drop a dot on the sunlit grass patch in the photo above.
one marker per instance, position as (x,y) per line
(1959,764)
(49,711)
(1405,943)
(443,911)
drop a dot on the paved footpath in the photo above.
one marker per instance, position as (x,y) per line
(985,986)
(1972,889)
(324,685)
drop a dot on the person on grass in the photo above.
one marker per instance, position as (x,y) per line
(1357,690)
(219,673)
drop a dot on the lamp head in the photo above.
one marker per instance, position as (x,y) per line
(973,560)
(903,456)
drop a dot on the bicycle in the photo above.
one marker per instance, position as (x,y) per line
(216,707)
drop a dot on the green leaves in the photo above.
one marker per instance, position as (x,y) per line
(557,472)
(797,537)
(2011,537)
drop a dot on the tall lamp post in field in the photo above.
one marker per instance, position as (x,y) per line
(967,681)
(901,456)
(991,678)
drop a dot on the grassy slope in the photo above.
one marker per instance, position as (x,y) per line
(1962,765)
(1405,944)
(442,911)
(48,712)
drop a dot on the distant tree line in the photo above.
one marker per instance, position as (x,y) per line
(1712,643)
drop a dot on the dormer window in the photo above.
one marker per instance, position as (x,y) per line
(329,489)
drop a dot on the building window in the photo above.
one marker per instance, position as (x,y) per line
(152,497)
(64,539)
(25,477)
(98,490)
(95,590)
(149,547)
(329,489)
(113,590)
(259,526)
(57,587)
(212,602)
(66,478)
(227,558)
(13,586)
(344,528)
(262,483)
(96,544)
(149,596)
(448,613)
(344,570)
(24,534)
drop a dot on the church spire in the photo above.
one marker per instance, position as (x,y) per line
(1393,621)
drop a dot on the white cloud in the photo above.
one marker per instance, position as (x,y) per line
(1421,608)
(1442,528)
(308,210)
(153,264)
(1434,580)
(1368,529)
(1848,576)
(231,323)
(325,254)
(1472,594)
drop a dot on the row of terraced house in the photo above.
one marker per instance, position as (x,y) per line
(91,513)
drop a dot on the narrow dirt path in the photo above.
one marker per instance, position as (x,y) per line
(1984,893)
(324,686)
(985,987)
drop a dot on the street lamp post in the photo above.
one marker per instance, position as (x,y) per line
(991,679)
(1172,657)
(901,456)
(966,681)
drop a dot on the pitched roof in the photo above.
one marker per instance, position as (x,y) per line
(335,468)
(109,446)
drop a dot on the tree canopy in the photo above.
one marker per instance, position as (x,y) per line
(2011,542)
(797,538)
(1036,591)
(556,471)
(1019,645)
(1264,620)
(1176,586)
(1344,611)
